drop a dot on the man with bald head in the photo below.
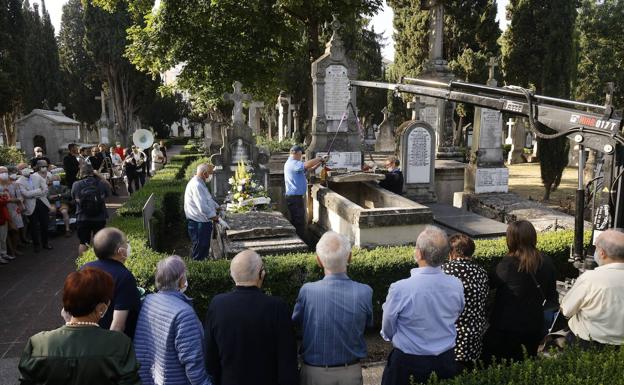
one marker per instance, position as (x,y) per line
(333,313)
(200,210)
(419,316)
(595,304)
(249,335)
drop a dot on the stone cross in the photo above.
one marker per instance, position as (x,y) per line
(74,116)
(385,113)
(102,98)
(492,64)
(238,98)
(60,108)
(415,105)
(335,25)
(510,124)
(436,28)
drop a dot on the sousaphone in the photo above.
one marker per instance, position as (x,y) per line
(143,139)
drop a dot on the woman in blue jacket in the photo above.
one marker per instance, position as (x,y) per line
(169,339)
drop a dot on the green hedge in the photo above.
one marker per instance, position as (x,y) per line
(573,367)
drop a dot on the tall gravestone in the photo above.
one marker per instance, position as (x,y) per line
(417,157)
(437,112)
(331,74)
(518,140)
(239,144)
(386,141)
(254,116)
(486,172)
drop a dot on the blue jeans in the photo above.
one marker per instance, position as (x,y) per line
(200,233)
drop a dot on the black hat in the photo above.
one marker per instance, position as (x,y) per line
(296,148)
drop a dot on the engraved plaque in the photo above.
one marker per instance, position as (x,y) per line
(492,180)
(491,132)
(352,161)
(337,93)
(418,167)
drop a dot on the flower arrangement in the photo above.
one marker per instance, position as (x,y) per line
(245,194)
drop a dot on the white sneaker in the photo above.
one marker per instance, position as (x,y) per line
(3,261)
(8,257)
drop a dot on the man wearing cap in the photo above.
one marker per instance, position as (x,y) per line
(295,185)
(38,156)
(90,194)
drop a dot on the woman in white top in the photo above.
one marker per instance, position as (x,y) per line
(116,161)
(158,159)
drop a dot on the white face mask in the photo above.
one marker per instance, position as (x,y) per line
(597,258)
(4,176)
(56,183)
(128,250)
(26,172)
(183,288)
(43,169)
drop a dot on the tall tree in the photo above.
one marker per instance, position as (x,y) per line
(81,78)
(538,52)
(106,40)
(601,57)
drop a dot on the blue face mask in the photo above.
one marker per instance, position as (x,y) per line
(56,183)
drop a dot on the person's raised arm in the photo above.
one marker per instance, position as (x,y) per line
(313,164)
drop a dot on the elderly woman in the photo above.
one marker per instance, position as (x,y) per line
(525,282)
(471,323)
(169,336)
(80,351)
(158,159)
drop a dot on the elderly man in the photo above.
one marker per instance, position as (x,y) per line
(112,249)
(333,313)
(419,316)
(200,210)
(34,190)
(595,304)
(295,185)
(394,176)
(169,338)
(249,335)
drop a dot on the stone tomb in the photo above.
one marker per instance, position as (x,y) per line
(50,130)
(417,157)
(239,144)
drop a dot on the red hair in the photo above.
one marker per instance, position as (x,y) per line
(85,289)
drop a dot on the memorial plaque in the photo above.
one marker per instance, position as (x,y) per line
(352,161)
(491,128)
(430,115)
(337,92)
(492,180)
(418,167)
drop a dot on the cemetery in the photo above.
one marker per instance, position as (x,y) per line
(475,141)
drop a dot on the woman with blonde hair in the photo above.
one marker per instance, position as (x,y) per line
(525,283)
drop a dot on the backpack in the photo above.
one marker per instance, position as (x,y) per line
(91,202)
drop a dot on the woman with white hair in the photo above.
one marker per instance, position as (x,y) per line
(158,159)
(169,338)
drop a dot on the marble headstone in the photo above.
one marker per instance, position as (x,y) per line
(417,157)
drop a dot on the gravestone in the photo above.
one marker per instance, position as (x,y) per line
(486,172)
(254,116)
(238,144)
(283,119)
(175,129)
(417,157)
(51,130)
(510,124)
(296,130)
(415,105)
(437,112)
(103,123)
(334,126)
(518,138)
(386,141)
(186,127)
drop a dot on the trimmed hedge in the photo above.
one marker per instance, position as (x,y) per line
(573,367)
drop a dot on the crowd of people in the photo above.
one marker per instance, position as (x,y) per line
(33,196)
(436,319)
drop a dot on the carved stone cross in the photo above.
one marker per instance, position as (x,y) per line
(436,27)
(415,105)
(492,64)
(60,108)
(510,124)
(385,113)
(102,98)
(335,25)
(238,98)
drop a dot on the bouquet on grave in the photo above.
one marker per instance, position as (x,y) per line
(245,193)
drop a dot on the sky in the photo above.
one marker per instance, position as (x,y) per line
(382,22)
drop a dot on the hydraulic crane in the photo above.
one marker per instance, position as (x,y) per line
(598,127)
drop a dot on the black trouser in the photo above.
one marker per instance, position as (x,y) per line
(142,178)
(509,345)
(134,183)
(297,213)
(406,369)
(39,223)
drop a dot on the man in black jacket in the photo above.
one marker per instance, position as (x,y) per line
(249,335)
(71,165)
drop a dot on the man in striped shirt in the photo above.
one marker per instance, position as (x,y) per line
(333,313)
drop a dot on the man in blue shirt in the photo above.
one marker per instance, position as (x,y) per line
(419,316)
(295,185)
(333,313)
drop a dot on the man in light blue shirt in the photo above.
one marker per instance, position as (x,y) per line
(295,186)
(419,316)
(200,210)
(333,313)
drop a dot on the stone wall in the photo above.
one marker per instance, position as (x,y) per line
(449,179)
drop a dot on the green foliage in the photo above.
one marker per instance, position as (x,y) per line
(573,367)
(164,109)
(192,168)
(274,145)
(11,155)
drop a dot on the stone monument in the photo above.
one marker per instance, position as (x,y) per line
(334,127)
(417,157)
(50,130)
(386,141)
(437,112)
(486,172)
(255,117)
(283,119)
(518,139)
(238,144)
